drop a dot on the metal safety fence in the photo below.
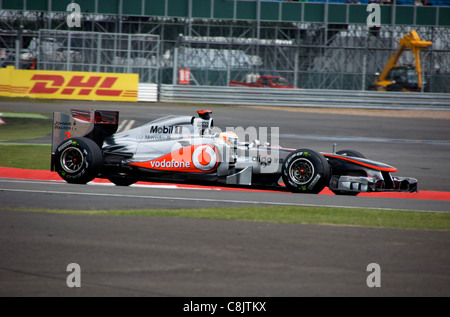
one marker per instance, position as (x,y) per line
(97,52)
(303,97)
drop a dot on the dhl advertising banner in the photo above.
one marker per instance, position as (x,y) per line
(68,85)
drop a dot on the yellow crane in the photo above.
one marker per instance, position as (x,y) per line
(403,78)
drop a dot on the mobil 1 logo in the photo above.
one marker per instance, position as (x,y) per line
(154,129)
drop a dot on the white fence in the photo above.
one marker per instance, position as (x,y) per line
(148,92)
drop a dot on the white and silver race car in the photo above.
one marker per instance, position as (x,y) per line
(85,146)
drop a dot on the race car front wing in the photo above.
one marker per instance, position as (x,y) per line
(380,182)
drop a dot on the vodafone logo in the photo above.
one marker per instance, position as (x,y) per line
(195,158)
(204,158)
(170,164)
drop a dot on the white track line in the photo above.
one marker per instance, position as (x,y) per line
(168,186)
(248,202)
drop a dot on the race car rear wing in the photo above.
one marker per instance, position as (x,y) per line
(92,124)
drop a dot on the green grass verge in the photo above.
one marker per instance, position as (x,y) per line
(398,219)
(28,156)
(24,127)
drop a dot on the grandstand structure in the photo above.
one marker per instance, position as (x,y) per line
(316,44)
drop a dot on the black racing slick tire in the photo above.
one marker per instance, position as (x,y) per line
(78,160)
(306,171)
(350,153)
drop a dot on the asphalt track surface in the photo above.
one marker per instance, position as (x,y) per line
(156,256)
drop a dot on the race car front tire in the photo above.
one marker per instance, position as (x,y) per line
(78,160)
(306,171)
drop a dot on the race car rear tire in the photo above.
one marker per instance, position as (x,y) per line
(78,160)
(306,171)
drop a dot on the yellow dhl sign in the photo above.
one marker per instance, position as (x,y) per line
(68,85)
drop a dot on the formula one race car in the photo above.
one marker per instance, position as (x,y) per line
(85,146)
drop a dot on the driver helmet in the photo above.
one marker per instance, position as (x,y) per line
(230,138)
